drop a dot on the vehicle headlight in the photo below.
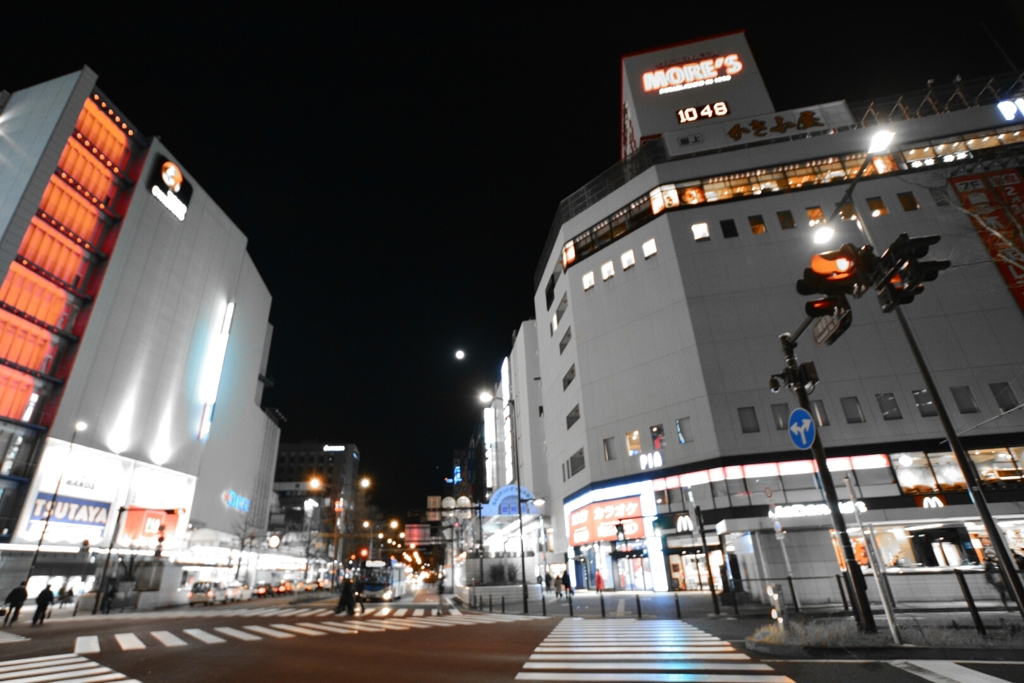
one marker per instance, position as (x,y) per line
(387,595)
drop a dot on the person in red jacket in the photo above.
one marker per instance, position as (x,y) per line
(598,581)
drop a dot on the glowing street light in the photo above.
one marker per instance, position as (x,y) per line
(486,397)
(880,141)
(394,524)
(460,354)
(315,484)
(366,525)
(364,483)
(824,234)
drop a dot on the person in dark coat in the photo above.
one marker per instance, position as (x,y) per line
(15,599)
(567,583)
(347,601)
(43,601)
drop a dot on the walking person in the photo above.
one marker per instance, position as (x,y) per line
(43,601)
(566,583)
(547,582)
(347,601)
(558,587)
(598,581)
(15,599)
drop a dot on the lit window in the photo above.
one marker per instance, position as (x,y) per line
(633,443)
(786,220)
(554,323)
(757,225)
(877,207)
(890,409)
(628,260)
(908,201)
(650,248)
(658,437)
(588,280)
(815,215)
(700,232)
(846,212)
(607,270)
(568,255)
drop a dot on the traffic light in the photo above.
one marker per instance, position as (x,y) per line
(777,603)
(364,552)
(830,305)
(838,272)
(901,271)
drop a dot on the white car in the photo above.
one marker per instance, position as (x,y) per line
(206,593)
(236,592)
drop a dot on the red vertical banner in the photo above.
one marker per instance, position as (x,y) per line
(995,202)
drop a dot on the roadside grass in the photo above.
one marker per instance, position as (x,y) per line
(844,633)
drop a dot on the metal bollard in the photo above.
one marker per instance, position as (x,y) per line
(842,593)
(679,614)
(490,602)
(978,623)
(792,592)
(639,614)
(502,604)
(570,604)
(543,605)
(602,605)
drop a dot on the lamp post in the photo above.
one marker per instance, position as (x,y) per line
(79,427)
(487,397)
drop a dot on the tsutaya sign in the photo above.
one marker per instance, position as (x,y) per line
(715,78)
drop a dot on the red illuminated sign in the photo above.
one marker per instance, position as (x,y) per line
(142,526)
(596,522)
(693,74)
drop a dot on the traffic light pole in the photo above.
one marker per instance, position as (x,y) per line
(860,597)
(995,536)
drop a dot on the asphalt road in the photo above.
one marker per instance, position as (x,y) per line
(270,641)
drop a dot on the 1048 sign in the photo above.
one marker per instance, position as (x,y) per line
(708,111)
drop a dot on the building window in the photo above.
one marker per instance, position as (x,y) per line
(908,201)
(852,411)
(563,305)
(877,207)
(683,430)
(780,415)
(748,420)
(1005,398)
(815,215)
(633,443)
(650,248)
(540,411)
(569,377)
(786,220)
(890,409)
(588,280)
(964,399)
(566,338)
(549,289)
(657,437)
(757,225)
(607,270)
(818,411)
(564,470)
(576,463)
(628,260)
(700,232)
(729,228)
(913,473)
(925,405)
(573,417)
(609,448)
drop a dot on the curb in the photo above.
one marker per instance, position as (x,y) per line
(886,653)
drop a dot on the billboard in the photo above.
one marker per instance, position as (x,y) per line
(91,486)
(673,88)
(596,522)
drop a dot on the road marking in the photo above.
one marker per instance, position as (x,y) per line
(333,628)
(360,626)
(8,637)
(647,666)
(367,612)
(452,610)
(621,609)
(63,670)
(417,613)
(320,613)
(86,645)
(303,613)
(204,637)
(655,678)
(235,633)
(299,630)
(32,662)
(384,611)
(944,671)
(401,612)
(269,632)
(648,657)
(129,641)
(391,626)
(168,639)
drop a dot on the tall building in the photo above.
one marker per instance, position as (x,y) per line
(664,286)
(131,309)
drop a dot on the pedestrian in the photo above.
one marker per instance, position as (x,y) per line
(598,581)
(15,599)
(566,583)
(547,582)
(347,601)
(995,578)
(109,593)
(558,587)
(43,601)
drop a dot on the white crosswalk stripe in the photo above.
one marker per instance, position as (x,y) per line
(129,641)
(235,633)
(8,637)
(204,637)
(628,650)
(167,638)
(57,668)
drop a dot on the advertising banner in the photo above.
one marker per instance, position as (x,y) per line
(596,522)
(995,204)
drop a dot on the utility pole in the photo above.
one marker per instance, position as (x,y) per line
(707,558)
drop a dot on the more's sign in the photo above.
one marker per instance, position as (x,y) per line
(596,522)
(168,185)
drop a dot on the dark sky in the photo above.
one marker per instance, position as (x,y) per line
(397,173)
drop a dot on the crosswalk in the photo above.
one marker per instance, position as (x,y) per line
(624,650)
(70,668)
(372,621)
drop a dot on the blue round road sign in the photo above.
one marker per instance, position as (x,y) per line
(801,429)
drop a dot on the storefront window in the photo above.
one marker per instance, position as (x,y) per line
(633,442)
(947,472)
(913,473)
(997,468)
(658,437)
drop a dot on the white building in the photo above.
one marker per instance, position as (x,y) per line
(666,282)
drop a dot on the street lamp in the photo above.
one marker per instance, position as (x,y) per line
(79,427)
(315,484)
(487,397)
(364,483)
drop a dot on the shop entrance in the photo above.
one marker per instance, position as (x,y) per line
(632,570)
(688,572)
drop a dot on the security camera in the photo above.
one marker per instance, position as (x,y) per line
(775,384)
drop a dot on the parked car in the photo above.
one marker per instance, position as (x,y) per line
(236,592)
(206,593)
(264,589)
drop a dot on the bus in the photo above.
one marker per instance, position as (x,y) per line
(381,580)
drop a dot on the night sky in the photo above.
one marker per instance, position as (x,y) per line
(397,173)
